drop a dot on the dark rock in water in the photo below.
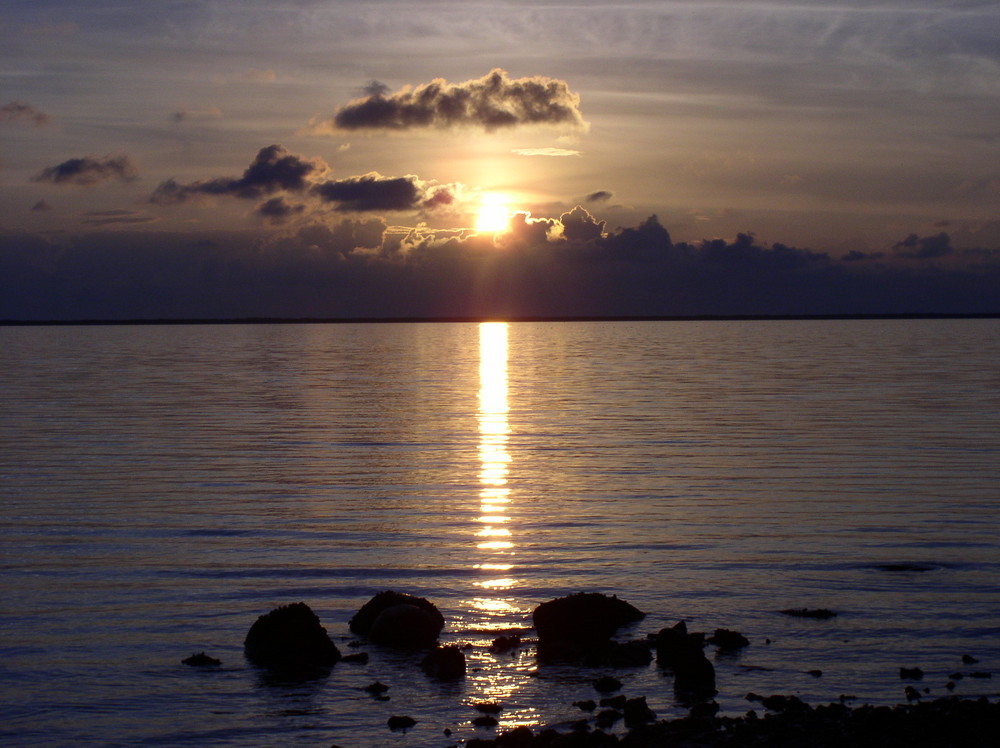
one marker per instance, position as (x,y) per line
(683,652)
(401,723)
(608,717)
(912,694)
(617,655)
(819,613)
(980,674)
(376,688)
(397,619)
(815,673)
(905,567)
(637,712)
(969,660)
(360,658)
(486,720)
(614,702)
(706,710)
(290,640)
(950,685)
(911,673)
(568,627)
(200,659)
(956,675)
(779,703)
(588,706)
(608,684)
(726,639)
(505,643)
(488,707)
(445,663)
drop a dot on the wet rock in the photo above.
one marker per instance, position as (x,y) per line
(607,684)
(488,708)
(614,702)
(397,619)
(912,694)
(956,676)
(588,706)
(200,659)
(359,658)
(818,613)
(950,685)
(569,627)
(376,688)
(779,703)
(637,712)
(726,639)
(400,723)
(969,660)
(607,717)
(486,720)
(683,653)
(505,643)
(980,674)
(619,655)
(290,640)
(445,663)
(911,673)
(815,673)
(905,567)
(707,710)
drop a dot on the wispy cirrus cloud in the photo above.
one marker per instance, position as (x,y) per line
(546,152)
(494,102)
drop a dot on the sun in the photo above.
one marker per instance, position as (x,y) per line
(494,213)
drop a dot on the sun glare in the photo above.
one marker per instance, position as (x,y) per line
(494,213)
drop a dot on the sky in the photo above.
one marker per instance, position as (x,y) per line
(384,158)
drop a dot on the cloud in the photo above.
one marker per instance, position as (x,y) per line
(273,169)
(90,170)
(601,196)
(579,225)
(19,111)
(373,192)
(493,102)
(41,206)
(278,210)
(102,218)
(923,247)
(546,152)
(260,76)
(183,115)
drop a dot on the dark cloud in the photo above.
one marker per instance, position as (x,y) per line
(601,196)
(41,206)
(491,103)
(103,218)
(373,192)
(273,169)
(19,111)
(183,115)
(566,266)
(278,210)
(89,170)
(923,247)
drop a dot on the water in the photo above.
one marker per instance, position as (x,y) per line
(163,486)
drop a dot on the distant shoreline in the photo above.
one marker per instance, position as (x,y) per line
(424,320)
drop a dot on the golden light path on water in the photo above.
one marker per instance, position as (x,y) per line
(494,609)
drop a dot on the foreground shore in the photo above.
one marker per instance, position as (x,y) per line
(947,721)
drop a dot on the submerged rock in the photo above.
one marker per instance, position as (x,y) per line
(445,663)
(819,613)
(200,659)
(570,627)
(291,640)
(683,653)
(726,639)
(400,723)
(397,619)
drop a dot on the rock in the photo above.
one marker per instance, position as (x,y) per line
(815,673)
(779,703)
(683,653)
(637,712)
(607,684)
(911,673)
(201,659)
(588,705)
(488,708)
(980,674)
(376,688)
(570,626)
(445,663)
(905,567)
(726,639)
(505,643)
(969,660)
(912,694)
(619,655)
(608,717)
(707,710)
(359,658)
(401,723)
(290,640)
(819,613)
(614,702)
(397,619)
(486,720)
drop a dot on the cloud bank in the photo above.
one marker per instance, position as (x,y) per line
(19,111)
(568,266)
(494,102)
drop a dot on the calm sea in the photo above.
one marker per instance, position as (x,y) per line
(162,486)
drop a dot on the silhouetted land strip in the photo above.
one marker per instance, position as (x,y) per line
(383,320)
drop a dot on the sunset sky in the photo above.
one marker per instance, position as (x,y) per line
(403,158)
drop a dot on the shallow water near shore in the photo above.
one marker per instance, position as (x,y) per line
(162,486)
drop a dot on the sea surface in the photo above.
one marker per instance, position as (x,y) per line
(162,486)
